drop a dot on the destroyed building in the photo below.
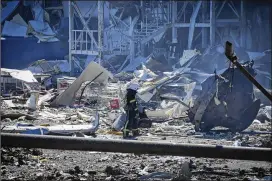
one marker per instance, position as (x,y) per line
(203,96)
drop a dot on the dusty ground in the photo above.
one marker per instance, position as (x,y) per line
(24,164)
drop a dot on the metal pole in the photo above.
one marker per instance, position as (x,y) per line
(212,23)
(231,56)
(136,147)
(142,13)
(192,24)
(87,85)
(131,41)
(100,10)
(71,27)
(174,17)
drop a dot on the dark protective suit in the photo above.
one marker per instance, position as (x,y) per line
(131,109)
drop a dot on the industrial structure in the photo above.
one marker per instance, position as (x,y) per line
(189,79)
(188,23)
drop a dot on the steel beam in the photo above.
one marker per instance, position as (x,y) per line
(181,12)
(136,147)
(174,17)
(87,22)
(100,10)
(192,24)
(131,41)
(142,17)
(71,38)
(83,21)
(220,9)
(187,25)
(207,25)
(212,23)
(156,33)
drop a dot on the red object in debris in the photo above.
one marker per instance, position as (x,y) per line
(114,104)
(64,85)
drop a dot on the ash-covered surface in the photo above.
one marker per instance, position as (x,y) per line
(21,164)
(37,164)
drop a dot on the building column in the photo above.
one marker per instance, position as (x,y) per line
(71,38)
(100,10)
(131,41)
(174,17)
(212,23)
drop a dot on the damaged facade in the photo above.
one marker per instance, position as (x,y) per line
(66,67)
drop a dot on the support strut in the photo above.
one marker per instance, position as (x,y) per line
(136,147)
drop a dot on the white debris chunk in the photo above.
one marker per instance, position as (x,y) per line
(9,103)
(167,104)
(178,110)
(93,71)
(82,116)
(48,115)
(145,74)
(32,102)
(120,122)
(24,75)
(187,55)
(84,128)
(256,122)
(237,143)
(264,114)
(45,98)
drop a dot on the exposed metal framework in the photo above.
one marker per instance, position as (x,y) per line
(137,147)
(134,36)
(81,42)
(213,22)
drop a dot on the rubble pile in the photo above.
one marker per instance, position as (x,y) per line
(52,165)
(186,105)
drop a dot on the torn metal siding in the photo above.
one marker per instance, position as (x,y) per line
(9,9)
(23,75)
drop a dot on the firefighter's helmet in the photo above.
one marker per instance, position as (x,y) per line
(133,86)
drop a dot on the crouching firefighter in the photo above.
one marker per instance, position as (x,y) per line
(131,108)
